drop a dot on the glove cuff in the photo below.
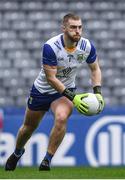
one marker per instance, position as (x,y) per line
(97,90)
(69,94)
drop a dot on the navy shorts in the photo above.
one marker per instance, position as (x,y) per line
(41,102)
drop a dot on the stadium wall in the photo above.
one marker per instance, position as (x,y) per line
(89,141)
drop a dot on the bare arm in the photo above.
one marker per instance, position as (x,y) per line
(51,72)
(96,81)
(95,73)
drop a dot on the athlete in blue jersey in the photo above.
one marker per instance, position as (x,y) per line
(55,87)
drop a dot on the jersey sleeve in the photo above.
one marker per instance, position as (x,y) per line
(92,55)
(49,57)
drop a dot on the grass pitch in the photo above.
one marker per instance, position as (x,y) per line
(64,173)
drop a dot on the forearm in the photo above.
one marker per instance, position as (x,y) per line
(56,84)
(96,77)
(51,72)
(96,81)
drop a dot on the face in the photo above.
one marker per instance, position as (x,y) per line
(73,30)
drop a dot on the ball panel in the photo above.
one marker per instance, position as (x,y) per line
(93,103)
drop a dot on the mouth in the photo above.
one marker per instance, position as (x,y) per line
(77,36)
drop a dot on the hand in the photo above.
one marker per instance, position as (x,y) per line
(101,102)
(81,106)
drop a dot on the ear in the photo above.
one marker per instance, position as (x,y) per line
(63,28)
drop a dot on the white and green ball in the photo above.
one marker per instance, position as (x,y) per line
(93,104)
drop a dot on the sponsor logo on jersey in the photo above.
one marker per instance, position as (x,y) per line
(67,71)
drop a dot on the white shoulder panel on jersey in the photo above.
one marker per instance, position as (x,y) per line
(84,45)
(55,43)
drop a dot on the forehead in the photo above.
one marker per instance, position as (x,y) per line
(74,22)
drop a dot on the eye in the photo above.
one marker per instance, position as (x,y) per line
(80,27)
(75,27)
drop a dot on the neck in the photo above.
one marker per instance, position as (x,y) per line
(68,43)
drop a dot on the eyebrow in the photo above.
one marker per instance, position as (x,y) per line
(74,26)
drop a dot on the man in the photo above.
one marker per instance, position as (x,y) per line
(55,87)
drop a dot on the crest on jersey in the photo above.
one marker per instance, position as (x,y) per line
(80,57)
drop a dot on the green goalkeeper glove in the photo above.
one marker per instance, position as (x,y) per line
(97,92)
(101,102)
(81,106)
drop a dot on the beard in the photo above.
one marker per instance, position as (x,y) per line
(73,38)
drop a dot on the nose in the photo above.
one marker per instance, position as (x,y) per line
(77,29)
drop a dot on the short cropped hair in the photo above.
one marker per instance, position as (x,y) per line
(70,16)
